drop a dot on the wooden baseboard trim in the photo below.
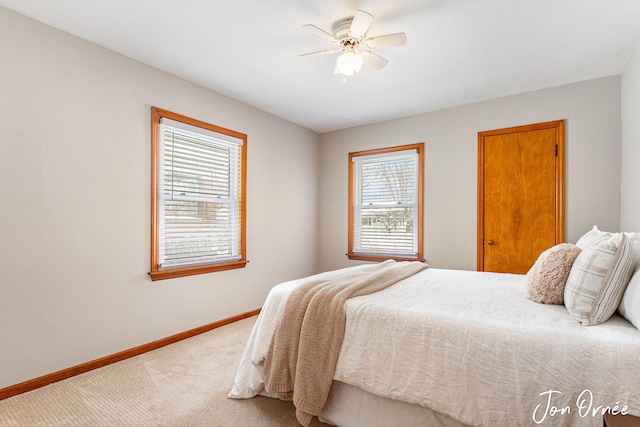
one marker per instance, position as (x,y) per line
(117,357)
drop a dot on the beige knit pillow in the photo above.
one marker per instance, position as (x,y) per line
(545,281)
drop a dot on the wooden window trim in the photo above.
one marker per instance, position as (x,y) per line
(156,272)
(419,147)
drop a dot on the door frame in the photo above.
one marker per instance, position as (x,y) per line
(558,125)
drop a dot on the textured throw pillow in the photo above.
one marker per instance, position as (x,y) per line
(546,280)
(598,279)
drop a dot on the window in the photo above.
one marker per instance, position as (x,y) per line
(385,203)
(198,197)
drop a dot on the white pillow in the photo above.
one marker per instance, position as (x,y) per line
(598,279)
(635,241)
(630,305)
(591,236)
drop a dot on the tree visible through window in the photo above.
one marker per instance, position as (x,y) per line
(198,192)
(385,203)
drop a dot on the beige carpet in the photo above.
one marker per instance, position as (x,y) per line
(183,384)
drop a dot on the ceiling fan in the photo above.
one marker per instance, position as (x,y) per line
(350,34)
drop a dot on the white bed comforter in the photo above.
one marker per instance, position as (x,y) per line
(469,345)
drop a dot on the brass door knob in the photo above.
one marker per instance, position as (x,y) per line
(490,242)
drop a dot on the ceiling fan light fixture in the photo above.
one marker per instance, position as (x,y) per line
(349,63)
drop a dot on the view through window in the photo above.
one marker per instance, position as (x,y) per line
(385,203)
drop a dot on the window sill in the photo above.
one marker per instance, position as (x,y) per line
(190,271)
(378,258)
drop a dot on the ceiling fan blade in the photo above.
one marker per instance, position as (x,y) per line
(361,23)
(321,52)
(374,60)
(319,32)
(389,40)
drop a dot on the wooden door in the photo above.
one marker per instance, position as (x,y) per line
(520,195)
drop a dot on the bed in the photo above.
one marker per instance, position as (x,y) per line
(453,348)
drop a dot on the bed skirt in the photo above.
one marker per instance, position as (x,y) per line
(350,406)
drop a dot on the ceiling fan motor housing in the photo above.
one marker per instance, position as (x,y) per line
(341,30)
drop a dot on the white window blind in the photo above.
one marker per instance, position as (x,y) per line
(386,204)
(200,183)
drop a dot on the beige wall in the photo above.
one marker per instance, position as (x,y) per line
(630,193)
(75,203)
(592,113)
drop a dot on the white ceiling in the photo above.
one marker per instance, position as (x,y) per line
(457,51)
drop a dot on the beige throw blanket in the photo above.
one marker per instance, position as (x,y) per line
(304,350)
